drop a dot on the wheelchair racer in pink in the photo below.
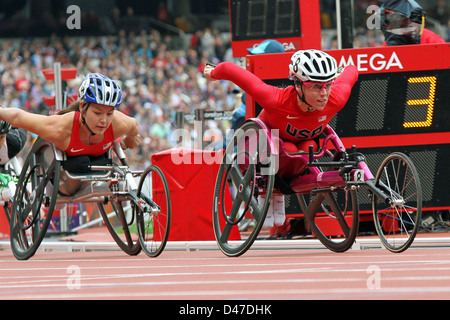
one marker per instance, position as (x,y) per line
(300,112)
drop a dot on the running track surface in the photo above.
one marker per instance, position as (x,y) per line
(422,273)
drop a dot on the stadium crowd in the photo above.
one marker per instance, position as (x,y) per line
(159,74)
(158,79)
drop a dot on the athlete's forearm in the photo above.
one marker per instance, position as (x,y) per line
(11,115)
(22,119)
(263,93)
(342,87)
(349,75)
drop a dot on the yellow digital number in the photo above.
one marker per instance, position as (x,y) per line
(429,101)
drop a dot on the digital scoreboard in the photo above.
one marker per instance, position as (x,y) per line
(294,23)
(401,102)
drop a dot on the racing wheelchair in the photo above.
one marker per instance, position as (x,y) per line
(255,164)
(47,183)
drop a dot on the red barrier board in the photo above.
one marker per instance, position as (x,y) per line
(4,225)
(191,176)
(66,74)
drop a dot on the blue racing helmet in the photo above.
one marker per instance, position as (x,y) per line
(100,89)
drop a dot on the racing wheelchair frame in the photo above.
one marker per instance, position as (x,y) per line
(38,195)
(256,164)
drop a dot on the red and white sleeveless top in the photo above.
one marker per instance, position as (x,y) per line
(77,148)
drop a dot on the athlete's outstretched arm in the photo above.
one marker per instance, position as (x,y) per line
(263,93)
(342,87)
(50,128)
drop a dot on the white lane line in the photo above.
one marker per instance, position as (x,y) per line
(84,280)
(401,263)
(137,279)
(242,293)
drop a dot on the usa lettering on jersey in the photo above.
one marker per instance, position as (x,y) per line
(303,133)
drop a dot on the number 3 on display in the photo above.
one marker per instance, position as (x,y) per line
(423,102)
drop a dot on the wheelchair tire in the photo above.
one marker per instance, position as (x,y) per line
(397,224)
(246,172)
(153,228)
(34,196)
(117,224)
(327,210)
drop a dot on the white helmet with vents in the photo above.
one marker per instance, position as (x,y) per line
(312,65)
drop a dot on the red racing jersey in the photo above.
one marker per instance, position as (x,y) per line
(77,148)
(429,36)
(280,107)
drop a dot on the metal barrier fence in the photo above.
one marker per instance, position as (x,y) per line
(200,116)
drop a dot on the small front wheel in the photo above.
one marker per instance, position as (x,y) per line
(397,222)
(153,223)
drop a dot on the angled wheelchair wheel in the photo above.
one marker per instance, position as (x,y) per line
(13,171)
(397,222)
(333,217)
(153,223)
(245,174)
(34,200)
(118,224)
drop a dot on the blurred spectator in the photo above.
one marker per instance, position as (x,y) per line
(448,31)
(402,22)
(163,14)
(442,12)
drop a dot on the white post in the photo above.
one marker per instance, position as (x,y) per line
(58,85)
(64,226)
(338,24)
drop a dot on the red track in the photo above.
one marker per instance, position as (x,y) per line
(258,274)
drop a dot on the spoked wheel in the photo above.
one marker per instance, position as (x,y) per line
(333,217)
(245,174)
(397,222)
(153,222)
(118,224)
(34,200)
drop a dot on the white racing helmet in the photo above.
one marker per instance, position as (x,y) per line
(312,65)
